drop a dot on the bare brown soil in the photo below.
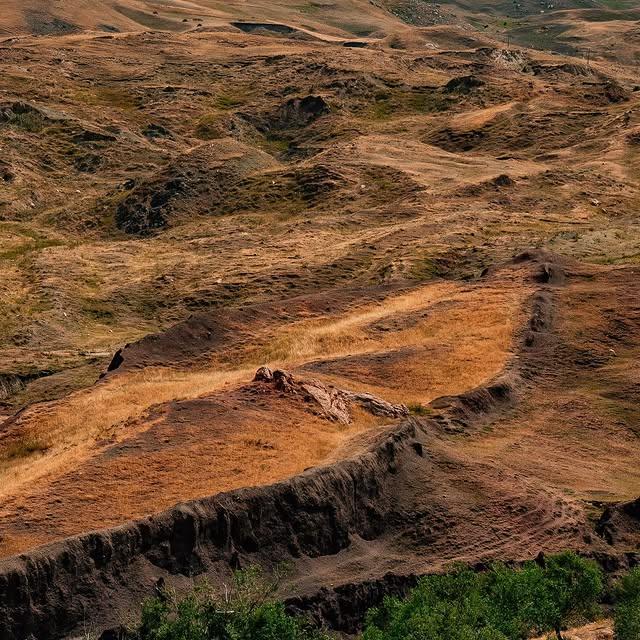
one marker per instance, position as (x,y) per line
(602,630)
(384,198)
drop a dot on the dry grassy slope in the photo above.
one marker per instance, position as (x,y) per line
(601,27)
(406,347)
(395,182)
(322,207)
(48,17)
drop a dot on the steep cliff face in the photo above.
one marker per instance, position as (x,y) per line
(56,588)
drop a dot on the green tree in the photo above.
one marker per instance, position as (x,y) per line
(244,611)
(627,611)
(573,585)
(449,607)
(502,603)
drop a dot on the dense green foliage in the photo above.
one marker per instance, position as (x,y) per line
(245,611)
(627,612)
(499,604)
(502,603)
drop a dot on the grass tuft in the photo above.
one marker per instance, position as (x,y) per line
(25,447)
(418,409)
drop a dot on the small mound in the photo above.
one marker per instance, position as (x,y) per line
(539,132)
(198,181)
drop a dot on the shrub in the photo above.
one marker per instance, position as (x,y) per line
(418,409)
(500,604)
(627,612)
(24,447)
(246,611)
(30,121)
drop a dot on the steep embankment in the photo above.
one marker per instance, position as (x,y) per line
(48,592)
(411,499)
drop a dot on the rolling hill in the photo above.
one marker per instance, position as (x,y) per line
(351,285)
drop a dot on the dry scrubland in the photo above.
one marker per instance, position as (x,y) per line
(338,190)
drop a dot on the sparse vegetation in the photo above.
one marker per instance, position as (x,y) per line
(209,127)
(29,247)
(247,610)
(116,97)
(398,102)
(30,121)
(230,100)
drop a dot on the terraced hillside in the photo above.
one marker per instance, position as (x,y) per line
(422,235)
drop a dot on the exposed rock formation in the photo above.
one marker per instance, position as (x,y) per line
(620,524)
(335,403)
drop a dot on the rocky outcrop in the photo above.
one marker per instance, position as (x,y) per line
(299,112)
(345,606)
(620,524)
(464,84)
(336,404)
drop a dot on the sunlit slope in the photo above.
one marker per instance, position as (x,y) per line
(47,17)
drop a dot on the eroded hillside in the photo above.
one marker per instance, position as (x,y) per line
(425,230)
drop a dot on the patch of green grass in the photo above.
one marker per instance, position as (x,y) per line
(387,104)
(633,258)
(118,97)
(275,145)
(425,269)
(36,244)
(230,100)
(618,5)
(382,108)
(360,30)
(209,127)
(309,9)
(98,310)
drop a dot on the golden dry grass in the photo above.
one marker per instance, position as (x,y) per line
(219,452)
(71,426)
(462,354)
(73,287)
